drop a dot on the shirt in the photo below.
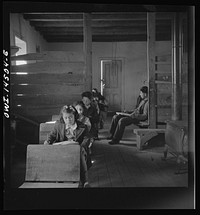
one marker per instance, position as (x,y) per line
(69,131)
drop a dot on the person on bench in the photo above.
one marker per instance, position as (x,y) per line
(69,129)
(120,121)
(90,110)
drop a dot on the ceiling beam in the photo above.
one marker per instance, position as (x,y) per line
(94,23)
(100,30)
(107,38)
(95,16)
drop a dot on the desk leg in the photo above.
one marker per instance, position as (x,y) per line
(165,153)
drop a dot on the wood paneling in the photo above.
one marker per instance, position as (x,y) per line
(53,89)
(47,78)
(56,80)
(51,56)
(50,67)
(49,99)
(164,99)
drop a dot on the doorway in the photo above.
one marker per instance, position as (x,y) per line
(111,83)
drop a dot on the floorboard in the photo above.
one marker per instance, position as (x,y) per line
(123,165)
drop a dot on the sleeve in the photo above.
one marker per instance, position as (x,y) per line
(87,122)
(53,135)
(94,116)
(139,99)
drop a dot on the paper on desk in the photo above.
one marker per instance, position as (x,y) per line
(66,142)
(123,113)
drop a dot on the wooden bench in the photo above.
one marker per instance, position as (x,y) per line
(55,117)
(45,129)
(143,135)
(52,166)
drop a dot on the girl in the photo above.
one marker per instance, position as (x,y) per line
(84,119)
(70,130)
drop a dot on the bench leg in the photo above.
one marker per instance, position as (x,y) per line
(142,138)
(165,152)
(138,141)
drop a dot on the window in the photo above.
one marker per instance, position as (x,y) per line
(22,49)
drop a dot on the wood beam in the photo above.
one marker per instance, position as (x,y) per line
(122,28)
(95,23)
(87,48)
(151,68)
(191,79)
(101,31)
(176,70)
(94,16)
(107,38)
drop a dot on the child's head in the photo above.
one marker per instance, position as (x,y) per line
(86,98)
(79,107)
(69,114)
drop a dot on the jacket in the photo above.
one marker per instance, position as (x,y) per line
(58,134)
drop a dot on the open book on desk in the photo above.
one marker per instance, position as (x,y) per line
(68,142)
(123,113)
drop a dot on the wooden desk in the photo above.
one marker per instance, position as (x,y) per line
(52,166)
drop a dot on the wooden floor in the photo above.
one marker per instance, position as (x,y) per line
(123,165)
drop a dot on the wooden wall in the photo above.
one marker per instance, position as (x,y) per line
(53,80)
(164,88)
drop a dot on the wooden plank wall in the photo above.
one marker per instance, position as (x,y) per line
(164,89)
(54,78)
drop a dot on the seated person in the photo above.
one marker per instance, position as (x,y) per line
(91,112)
(102,105)
(80,109)
(68,128)
(119,122)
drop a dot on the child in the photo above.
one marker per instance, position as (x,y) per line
(102,106)
(69,129)
(84,119)
(91,112)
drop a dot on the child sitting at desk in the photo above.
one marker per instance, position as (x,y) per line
(71,131)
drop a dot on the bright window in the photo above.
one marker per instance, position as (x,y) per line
(22,50)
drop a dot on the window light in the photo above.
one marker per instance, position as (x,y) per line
(50,122)
(21,73)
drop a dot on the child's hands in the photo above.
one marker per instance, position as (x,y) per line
(46,142)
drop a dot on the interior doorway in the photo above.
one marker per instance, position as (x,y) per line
(111,83)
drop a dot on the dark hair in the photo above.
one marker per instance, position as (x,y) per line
(87,94)
(68,109)
(79,103)
(144,89)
